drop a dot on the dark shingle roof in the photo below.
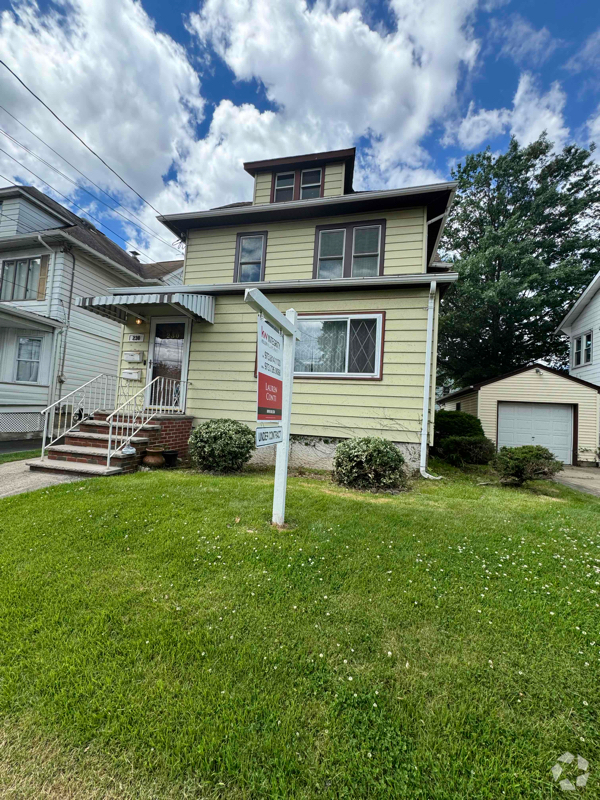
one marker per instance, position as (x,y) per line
(161,268)
(234,205)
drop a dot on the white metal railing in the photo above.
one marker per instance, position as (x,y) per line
(103,391)
(160,396)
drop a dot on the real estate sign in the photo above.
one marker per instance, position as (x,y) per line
(269,372)
(270,434)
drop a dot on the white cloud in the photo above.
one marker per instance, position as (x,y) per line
(588,58)
(534,112)
(478,127)
(522,42)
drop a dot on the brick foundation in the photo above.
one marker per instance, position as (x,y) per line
(175,433)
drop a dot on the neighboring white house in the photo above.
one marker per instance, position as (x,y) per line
(582,326)
(48,346)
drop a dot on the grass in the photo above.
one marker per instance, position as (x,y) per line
(20,456)
(159,639)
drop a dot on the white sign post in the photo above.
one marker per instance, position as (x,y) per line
(287,325)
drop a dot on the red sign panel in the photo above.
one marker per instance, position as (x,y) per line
(269,371)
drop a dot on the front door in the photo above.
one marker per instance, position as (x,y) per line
(168,362)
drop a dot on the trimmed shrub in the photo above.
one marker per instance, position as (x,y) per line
(455,423)
(369,463)
(221,445)
(528,463)
(461,450)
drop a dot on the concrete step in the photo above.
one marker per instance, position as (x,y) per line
(72,468)
(85,439)
(91,455)
(101,424)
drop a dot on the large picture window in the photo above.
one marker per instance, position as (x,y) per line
(349,250)
(23,279)
(340,345)
(250,257)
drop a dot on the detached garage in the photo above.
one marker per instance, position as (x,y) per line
(536,405)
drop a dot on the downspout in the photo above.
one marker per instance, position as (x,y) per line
(427,382)
(61,377)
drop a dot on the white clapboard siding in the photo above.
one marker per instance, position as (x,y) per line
(589,320)
(32,218)
(9,219)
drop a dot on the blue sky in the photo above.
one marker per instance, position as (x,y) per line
(177,96)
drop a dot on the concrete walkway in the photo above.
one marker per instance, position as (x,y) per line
(584,479)
(16,477)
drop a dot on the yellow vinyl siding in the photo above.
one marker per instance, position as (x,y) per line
(334,179)
(210,254)
(468,404)
(529,387)
(262,188)
(222,363)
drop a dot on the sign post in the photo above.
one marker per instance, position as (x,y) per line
(276,350)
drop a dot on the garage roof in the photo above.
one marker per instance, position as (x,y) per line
(537,365)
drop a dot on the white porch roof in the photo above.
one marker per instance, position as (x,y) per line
(118,307)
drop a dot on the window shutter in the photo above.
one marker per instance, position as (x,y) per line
(41,292)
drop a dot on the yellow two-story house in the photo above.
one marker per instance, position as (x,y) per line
(360,269)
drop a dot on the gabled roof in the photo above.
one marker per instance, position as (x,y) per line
(584,300)
(536,365)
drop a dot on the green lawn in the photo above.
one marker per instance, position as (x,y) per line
(158,639)
(20,456)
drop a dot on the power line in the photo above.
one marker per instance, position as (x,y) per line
(87,178)
(75,204)
(91,194)
(78,137)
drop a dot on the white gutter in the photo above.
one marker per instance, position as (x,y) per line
(306,284)
(427,383)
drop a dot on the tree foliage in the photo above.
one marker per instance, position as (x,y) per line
(524,236)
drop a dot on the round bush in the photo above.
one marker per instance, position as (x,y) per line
(369,463)
(461,450)
(221,445)
(455,423)
(528,463)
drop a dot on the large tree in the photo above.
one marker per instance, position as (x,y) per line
(524,236)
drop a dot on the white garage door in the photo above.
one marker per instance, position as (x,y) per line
(548,424)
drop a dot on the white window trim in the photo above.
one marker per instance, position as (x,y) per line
(331,258)
(16,258)
(377,254)
(310,185)
(581,337)
(40,338)
(281,175)
(260,263)
(377,315)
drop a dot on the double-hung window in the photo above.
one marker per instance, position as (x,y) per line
(250,257)
(582,350)
(20,279)
(29,350)
(340,346)
(284,187)
(349,250)
(310,184)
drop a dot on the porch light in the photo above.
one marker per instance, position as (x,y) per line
(138,321)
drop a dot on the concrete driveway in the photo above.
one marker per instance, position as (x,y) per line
(584,479)
(16,477)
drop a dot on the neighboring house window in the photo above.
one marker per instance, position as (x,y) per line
(250,257)
(340,345)
(24,279)
(582,349)
(310,184)
(284,187)
(28,359)
(458,407)
(349,250)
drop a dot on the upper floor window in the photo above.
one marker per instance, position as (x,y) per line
(582,350)
(284,187)
(250,258)
(349,250)
(340,345)
(310,184)
(29,351)
(23,279)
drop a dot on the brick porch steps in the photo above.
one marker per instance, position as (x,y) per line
(85,439)
(91,455)
(72,468)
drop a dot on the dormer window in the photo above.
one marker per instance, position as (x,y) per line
(310,184)
(284,187)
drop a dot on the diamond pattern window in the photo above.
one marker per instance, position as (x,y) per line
(338,345)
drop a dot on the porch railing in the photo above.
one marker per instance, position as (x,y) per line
(160,396)
(103,391)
